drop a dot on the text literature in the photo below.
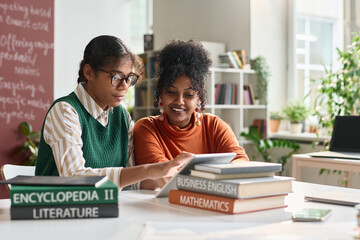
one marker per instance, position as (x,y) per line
(223,204)
(65,211)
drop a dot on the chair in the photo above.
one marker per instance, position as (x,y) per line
(10,170)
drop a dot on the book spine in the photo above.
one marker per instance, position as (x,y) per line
(202,185)
(62,197)
(232,60)
(204,201)
(65,211)
(238,59)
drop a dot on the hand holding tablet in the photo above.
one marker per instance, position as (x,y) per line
(185,169)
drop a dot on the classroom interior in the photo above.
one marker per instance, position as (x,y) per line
(291,46)
(283,32)
(297,38)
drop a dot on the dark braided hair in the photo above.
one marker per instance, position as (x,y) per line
(105,51)
(183,57)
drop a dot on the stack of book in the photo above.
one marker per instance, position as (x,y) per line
(47,197)
(232,187)
(235,59)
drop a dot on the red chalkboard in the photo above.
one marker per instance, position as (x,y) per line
(26,71)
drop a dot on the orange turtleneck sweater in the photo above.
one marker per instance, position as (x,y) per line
(157,141)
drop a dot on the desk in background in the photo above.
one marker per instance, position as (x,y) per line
(304,160)
(136,208)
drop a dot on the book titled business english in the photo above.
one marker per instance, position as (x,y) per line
(237,188)
(224,204)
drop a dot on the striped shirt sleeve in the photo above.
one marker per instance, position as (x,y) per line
(62,131)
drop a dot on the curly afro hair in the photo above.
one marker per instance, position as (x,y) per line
(183,57)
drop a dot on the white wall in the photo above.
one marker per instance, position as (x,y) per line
(76,23)
(268,37)
(203,20)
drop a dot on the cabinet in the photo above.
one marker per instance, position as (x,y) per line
(238,113)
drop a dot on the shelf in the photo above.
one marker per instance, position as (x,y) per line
(235,106)
(232,70)
(239,116)
(306,137)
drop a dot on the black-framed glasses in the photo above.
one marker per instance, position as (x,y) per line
(117,78)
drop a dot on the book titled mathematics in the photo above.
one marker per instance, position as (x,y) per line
(26,195)
(223,204)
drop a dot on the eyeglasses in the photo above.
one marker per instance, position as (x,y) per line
(117,78)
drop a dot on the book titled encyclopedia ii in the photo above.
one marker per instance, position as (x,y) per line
(22,195)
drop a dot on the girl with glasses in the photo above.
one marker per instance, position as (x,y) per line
(88,132)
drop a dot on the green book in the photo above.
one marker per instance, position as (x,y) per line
(31,195)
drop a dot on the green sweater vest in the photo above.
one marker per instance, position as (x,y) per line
(102,146)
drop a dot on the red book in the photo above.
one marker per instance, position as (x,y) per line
(234,95)
(217,90)
(224,204)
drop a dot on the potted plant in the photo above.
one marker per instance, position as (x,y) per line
(340,90)
(261,68)
(275,120)
(296,112)
(30,146)
(266,148)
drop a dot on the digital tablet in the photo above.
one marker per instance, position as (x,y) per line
(198,158)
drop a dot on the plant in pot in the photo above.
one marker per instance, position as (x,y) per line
(30,146)
(339,91)
(267,148)
(261,68)
(296,112)
(275,120)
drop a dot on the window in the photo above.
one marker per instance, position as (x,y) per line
(317,33)
(141,22)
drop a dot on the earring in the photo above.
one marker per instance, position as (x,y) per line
(161,109)
(198,115)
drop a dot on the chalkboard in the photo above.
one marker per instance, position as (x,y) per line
(26,70)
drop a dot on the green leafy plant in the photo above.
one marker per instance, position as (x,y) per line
(264,147)
(296,112)
(30,146)
(339,90)
(339,93)
(276,116)
(261,68)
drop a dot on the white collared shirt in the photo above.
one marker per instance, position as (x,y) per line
(62,131)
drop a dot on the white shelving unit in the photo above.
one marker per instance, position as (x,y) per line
(144,104)
(239,116)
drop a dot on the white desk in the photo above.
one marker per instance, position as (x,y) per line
(304,160)
(138,207)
